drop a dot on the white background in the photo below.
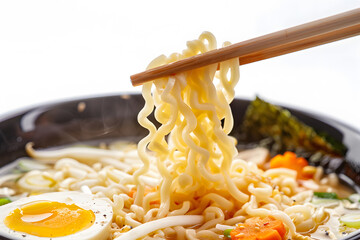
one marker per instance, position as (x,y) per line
(59,50)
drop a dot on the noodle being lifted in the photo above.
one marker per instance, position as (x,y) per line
(186,179)
(197,157)
(199,173)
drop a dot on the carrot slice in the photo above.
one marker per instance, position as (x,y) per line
(269,234)
(291,161)
(257,228)
(278,226)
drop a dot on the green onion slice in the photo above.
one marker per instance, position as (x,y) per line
(227,233)
(4,201)
(328,195)
(351,220)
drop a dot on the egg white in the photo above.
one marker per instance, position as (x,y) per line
(100,230)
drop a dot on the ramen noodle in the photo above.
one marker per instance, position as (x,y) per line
(186,178)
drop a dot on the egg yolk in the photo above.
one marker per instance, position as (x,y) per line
(49,219)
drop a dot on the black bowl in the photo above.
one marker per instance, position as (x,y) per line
(115,117)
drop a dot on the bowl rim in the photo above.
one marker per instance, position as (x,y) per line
(57,102)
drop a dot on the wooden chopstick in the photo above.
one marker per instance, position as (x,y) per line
(293,39)
(301,44)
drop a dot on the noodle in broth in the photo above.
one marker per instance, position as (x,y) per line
(185,179)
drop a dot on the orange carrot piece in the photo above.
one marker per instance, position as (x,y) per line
(257,228)
(270,234)
(278,226)
(291,161)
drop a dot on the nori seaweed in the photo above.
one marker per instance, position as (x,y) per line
(277,127)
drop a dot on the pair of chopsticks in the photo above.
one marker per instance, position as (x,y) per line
(322,31)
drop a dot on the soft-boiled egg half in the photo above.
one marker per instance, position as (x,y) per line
(57,216)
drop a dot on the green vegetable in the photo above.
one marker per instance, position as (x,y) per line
(227,233)
(351,220)
(4,201)
(264,121)
(327,195)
